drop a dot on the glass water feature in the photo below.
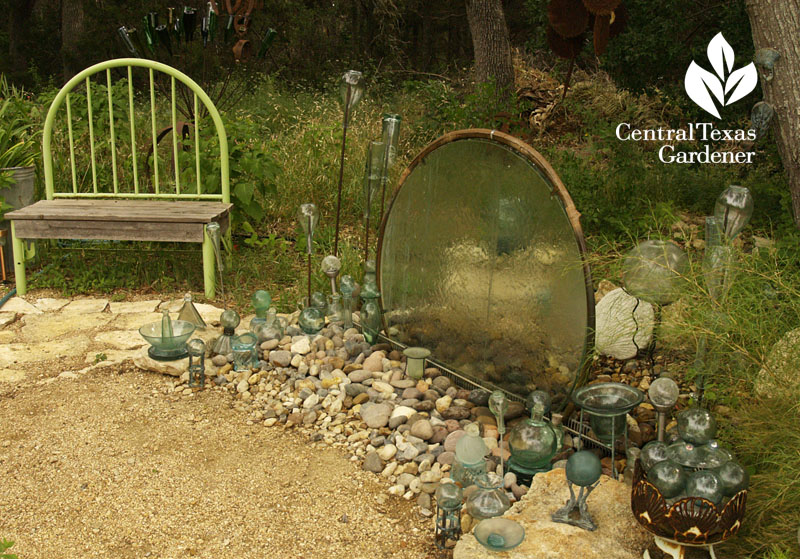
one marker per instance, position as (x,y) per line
(481,259)
(167,338)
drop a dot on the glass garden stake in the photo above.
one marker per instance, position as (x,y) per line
(308,216)
(498,406)
(372,179)
(352,90)
(330,267)
(391,136)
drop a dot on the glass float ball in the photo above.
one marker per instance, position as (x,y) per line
(706,485)
(331,265)
(261,300)
(196,347)
(663,393)
(449,496)
(653,453)
(583,468)
(541,397)
(311,320)
(734,478)
(652,270)
(229,319)
(347,285)
(696,425)
(668,477)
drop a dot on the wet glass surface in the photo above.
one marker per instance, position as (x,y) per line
(480,264)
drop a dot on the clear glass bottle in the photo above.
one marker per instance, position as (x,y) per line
(230,320)
(371,320)
(533,443)
(335,310)
(244,351)
(489,500)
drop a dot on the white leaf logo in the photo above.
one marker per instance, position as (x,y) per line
(701,84)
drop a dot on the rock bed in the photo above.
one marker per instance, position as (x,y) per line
(342,392)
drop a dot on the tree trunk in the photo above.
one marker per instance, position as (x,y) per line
(487,24)
(17,28)
(776,25)
(72,19)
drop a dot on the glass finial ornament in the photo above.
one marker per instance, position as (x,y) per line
(261,300)
(533,443)
(347,286)
(663,394)
(583,469)
(197,362)
(330,267)
(189,313)
(733,210)
(167,337)
(373,173)
(540,396)
(311,320)
(449,497)
(415,361)
(489,499)
(308,217)
(245,356)
(352,90)
(469,462)
(652,271)
(498,405)
(229,319)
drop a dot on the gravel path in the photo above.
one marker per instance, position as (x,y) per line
(110,465)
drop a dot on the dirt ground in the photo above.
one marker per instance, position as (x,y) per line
(110,465)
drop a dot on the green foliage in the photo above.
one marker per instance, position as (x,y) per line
(5,545)
(18,135)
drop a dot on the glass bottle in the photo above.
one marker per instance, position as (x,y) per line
(261,301)
(197,368)
(244,351)
(489,500)
(469,462)
(371,320)
(532,443)
(347,286)
(229,320)
(335,310)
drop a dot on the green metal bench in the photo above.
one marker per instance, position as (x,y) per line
(153,207)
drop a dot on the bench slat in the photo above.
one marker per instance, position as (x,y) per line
(122,211)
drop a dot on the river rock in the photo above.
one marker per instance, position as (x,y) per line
(374,363)
(280,358)
(376,415)
(423,429)
(372,463)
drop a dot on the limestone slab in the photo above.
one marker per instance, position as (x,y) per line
(134,306)
(133,321)
(7,318)
(618,535)
(48,304)
(11,375)
(121,339)
(7,336)
(42,351)
(49,326)
(173,368)
(210,313)
(86,306)
(112,356)
(20,305)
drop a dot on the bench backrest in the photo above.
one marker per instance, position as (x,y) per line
(130,150)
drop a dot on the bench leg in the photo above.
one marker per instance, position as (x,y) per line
(18,246)
(208,265)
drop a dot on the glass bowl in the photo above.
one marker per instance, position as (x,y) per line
(170,348)
(499,534)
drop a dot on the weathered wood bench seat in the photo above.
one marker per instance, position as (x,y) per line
(119,220)
(123,188)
